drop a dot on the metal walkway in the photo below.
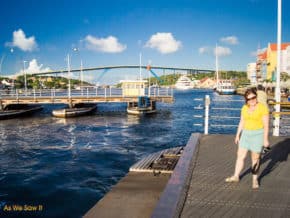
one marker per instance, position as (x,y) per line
(208,195)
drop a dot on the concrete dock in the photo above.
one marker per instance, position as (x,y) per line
(196,188)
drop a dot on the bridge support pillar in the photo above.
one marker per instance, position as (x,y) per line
(70,103)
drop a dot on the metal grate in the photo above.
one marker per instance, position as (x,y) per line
(160,162)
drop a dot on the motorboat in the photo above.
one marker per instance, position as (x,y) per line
(18,110)
(183,83)
(143,106)
(225,87)
(79,109)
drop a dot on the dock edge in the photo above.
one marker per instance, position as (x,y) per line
(172,199)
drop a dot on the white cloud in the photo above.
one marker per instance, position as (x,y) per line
(232,40)
(165,43)
(108,45)
(222,51)
(257,52)
(204,50)
(253,54)
(219,50)
(32,68)
(20,41)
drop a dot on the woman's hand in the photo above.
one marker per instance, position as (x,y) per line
(266,143)
(237,139)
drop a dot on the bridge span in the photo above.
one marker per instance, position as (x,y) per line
(85,95)
(191,70)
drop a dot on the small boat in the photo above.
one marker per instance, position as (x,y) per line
(183,83)
(225,87)
(143,106)
(78,110)
(18,110)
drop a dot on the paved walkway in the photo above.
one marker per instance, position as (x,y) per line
(135,196)
(210,196)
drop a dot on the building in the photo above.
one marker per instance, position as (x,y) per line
(272,60)
(252,72)
(207,83)
(261,66)
(133,87)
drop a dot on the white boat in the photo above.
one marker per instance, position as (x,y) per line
(183,83)
(225,87)
(78,110)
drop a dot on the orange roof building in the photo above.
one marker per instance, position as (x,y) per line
(272,59)
(267,61)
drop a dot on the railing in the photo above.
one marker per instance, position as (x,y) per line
(84,92)
(226,117)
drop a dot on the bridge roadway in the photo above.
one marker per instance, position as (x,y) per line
(195,70)
(88,95)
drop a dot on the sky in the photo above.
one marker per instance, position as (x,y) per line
(39,35)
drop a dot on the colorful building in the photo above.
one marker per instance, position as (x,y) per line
(272,60)
(252,72)
(261,66)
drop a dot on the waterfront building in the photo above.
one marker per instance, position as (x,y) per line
(261,66)
(272,59)
(252,73)
(207,83)
(267,61)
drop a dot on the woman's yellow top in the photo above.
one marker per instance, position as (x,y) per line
(254,120)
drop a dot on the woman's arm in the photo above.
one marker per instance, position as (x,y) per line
(240,128)
(265,119)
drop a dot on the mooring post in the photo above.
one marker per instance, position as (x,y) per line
(206,115)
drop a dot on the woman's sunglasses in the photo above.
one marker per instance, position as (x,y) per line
(252,98)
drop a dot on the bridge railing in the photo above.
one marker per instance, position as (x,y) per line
(83,92)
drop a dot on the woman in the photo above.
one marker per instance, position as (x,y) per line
(252,135)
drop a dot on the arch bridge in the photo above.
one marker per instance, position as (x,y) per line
(189,70)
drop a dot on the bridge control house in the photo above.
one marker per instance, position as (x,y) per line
(133,87)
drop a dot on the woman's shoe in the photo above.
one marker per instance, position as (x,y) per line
(232,179)
(255,184)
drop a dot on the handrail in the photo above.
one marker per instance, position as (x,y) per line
(93,92)
(208,118)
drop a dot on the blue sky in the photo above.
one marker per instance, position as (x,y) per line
(175,33)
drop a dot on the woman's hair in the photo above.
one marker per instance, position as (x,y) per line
(250,91)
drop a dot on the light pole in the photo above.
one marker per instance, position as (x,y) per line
(2,59)
(82,75)
(25,81)
(68,70)
(277,88)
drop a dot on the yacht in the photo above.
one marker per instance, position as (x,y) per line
(183,83)
(225,87)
